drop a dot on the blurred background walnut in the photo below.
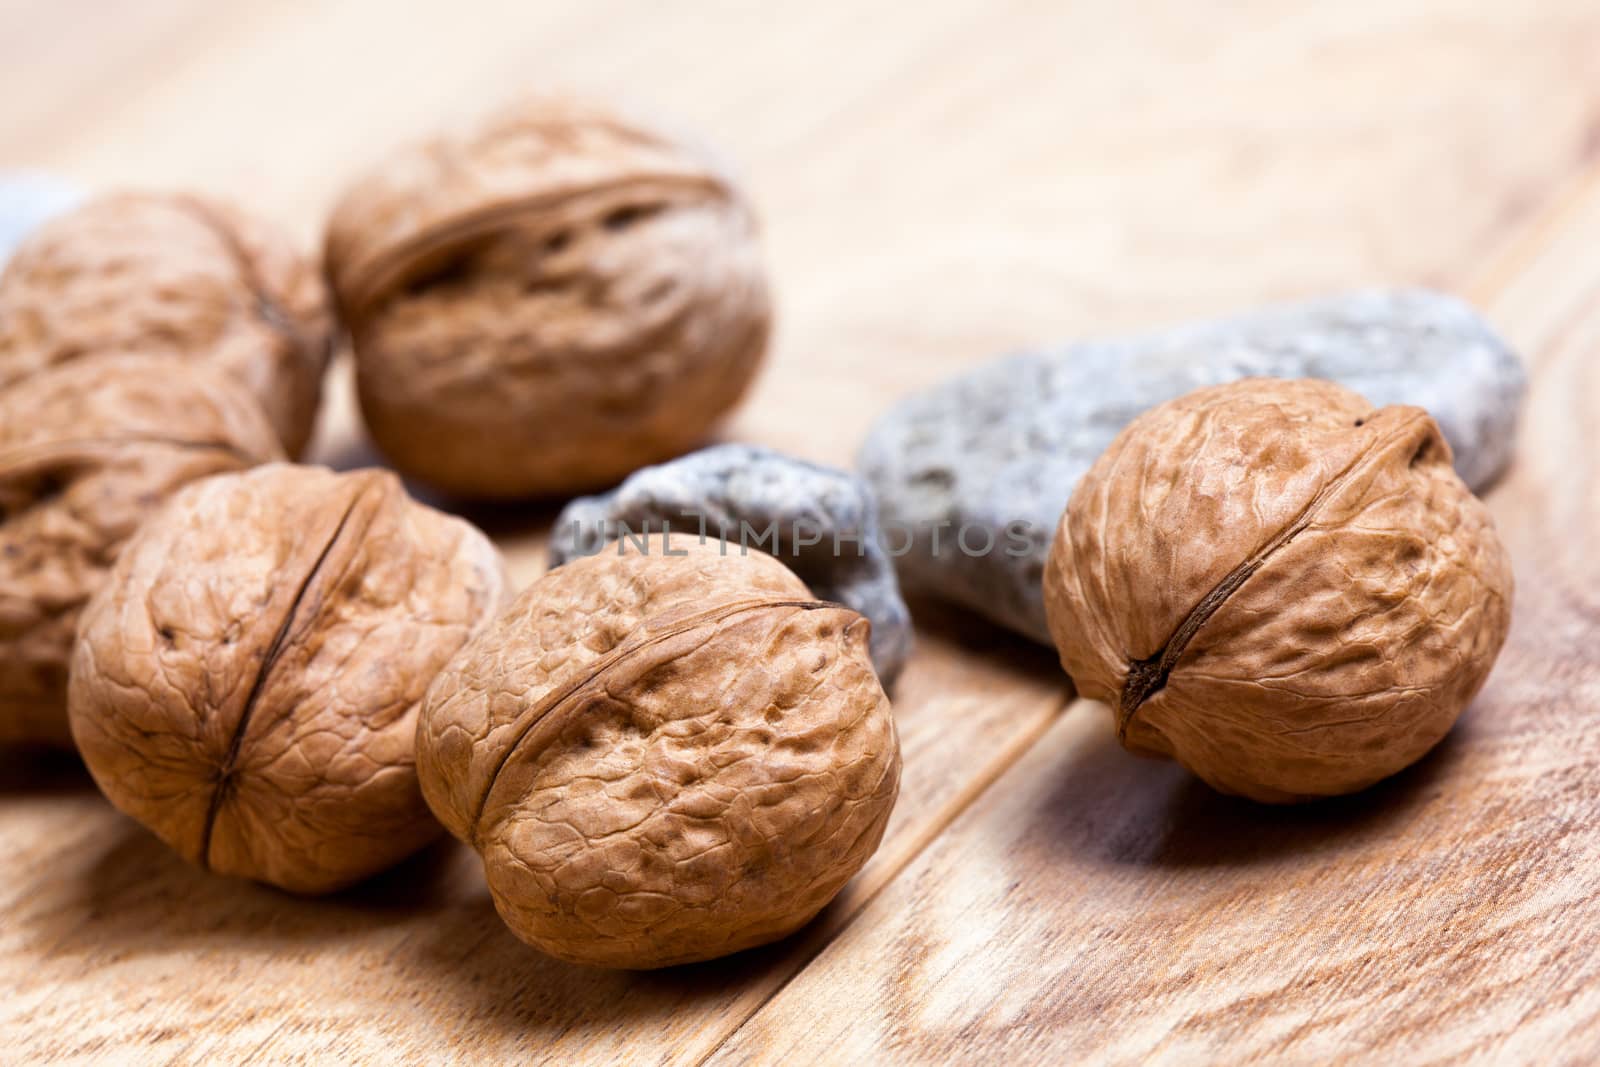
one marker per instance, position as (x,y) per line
(1289,592)
(87,450)
(547,302)
(663,758)
(246,682)
(168,273)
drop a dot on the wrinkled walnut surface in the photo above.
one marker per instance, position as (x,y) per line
(172,274)
(246,683)
(663,759)
(548,301)
(770,500)
(87,450)
(1291,593)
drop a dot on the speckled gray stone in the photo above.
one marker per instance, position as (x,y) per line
(26,200)
(1004,445)
(740,489)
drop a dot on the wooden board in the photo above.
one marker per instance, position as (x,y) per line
(1094,903)
(939,184)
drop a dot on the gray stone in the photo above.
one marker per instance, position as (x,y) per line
(768,501)
(1000,449)
(26,200)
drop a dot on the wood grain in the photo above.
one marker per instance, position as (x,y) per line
(1092,903)
(938,185)
(179,964)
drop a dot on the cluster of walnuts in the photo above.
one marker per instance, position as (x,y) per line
(301,676)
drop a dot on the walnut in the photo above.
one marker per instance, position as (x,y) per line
(547,301)
(663,758)
(172,274)
(1287,591)
(246,682)
(87,450)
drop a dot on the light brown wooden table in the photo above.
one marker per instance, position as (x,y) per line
(940,182)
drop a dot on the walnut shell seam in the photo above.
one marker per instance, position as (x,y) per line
(365,285)
(274,652)
(273,314)
(553,711)
(23,457)
(1416,433)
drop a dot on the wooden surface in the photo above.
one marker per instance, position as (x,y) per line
(940,182)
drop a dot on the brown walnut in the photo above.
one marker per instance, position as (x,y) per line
(87,450)
(172,274)
(548,301)
(1287,591)
(246,682)
(663,759)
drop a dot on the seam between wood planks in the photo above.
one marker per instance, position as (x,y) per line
(900,858)
(1511,260)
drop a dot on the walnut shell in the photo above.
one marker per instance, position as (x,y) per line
(1287,591)
(246,682)
(663,759)
(548,301)
(87,450)
(172,274)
